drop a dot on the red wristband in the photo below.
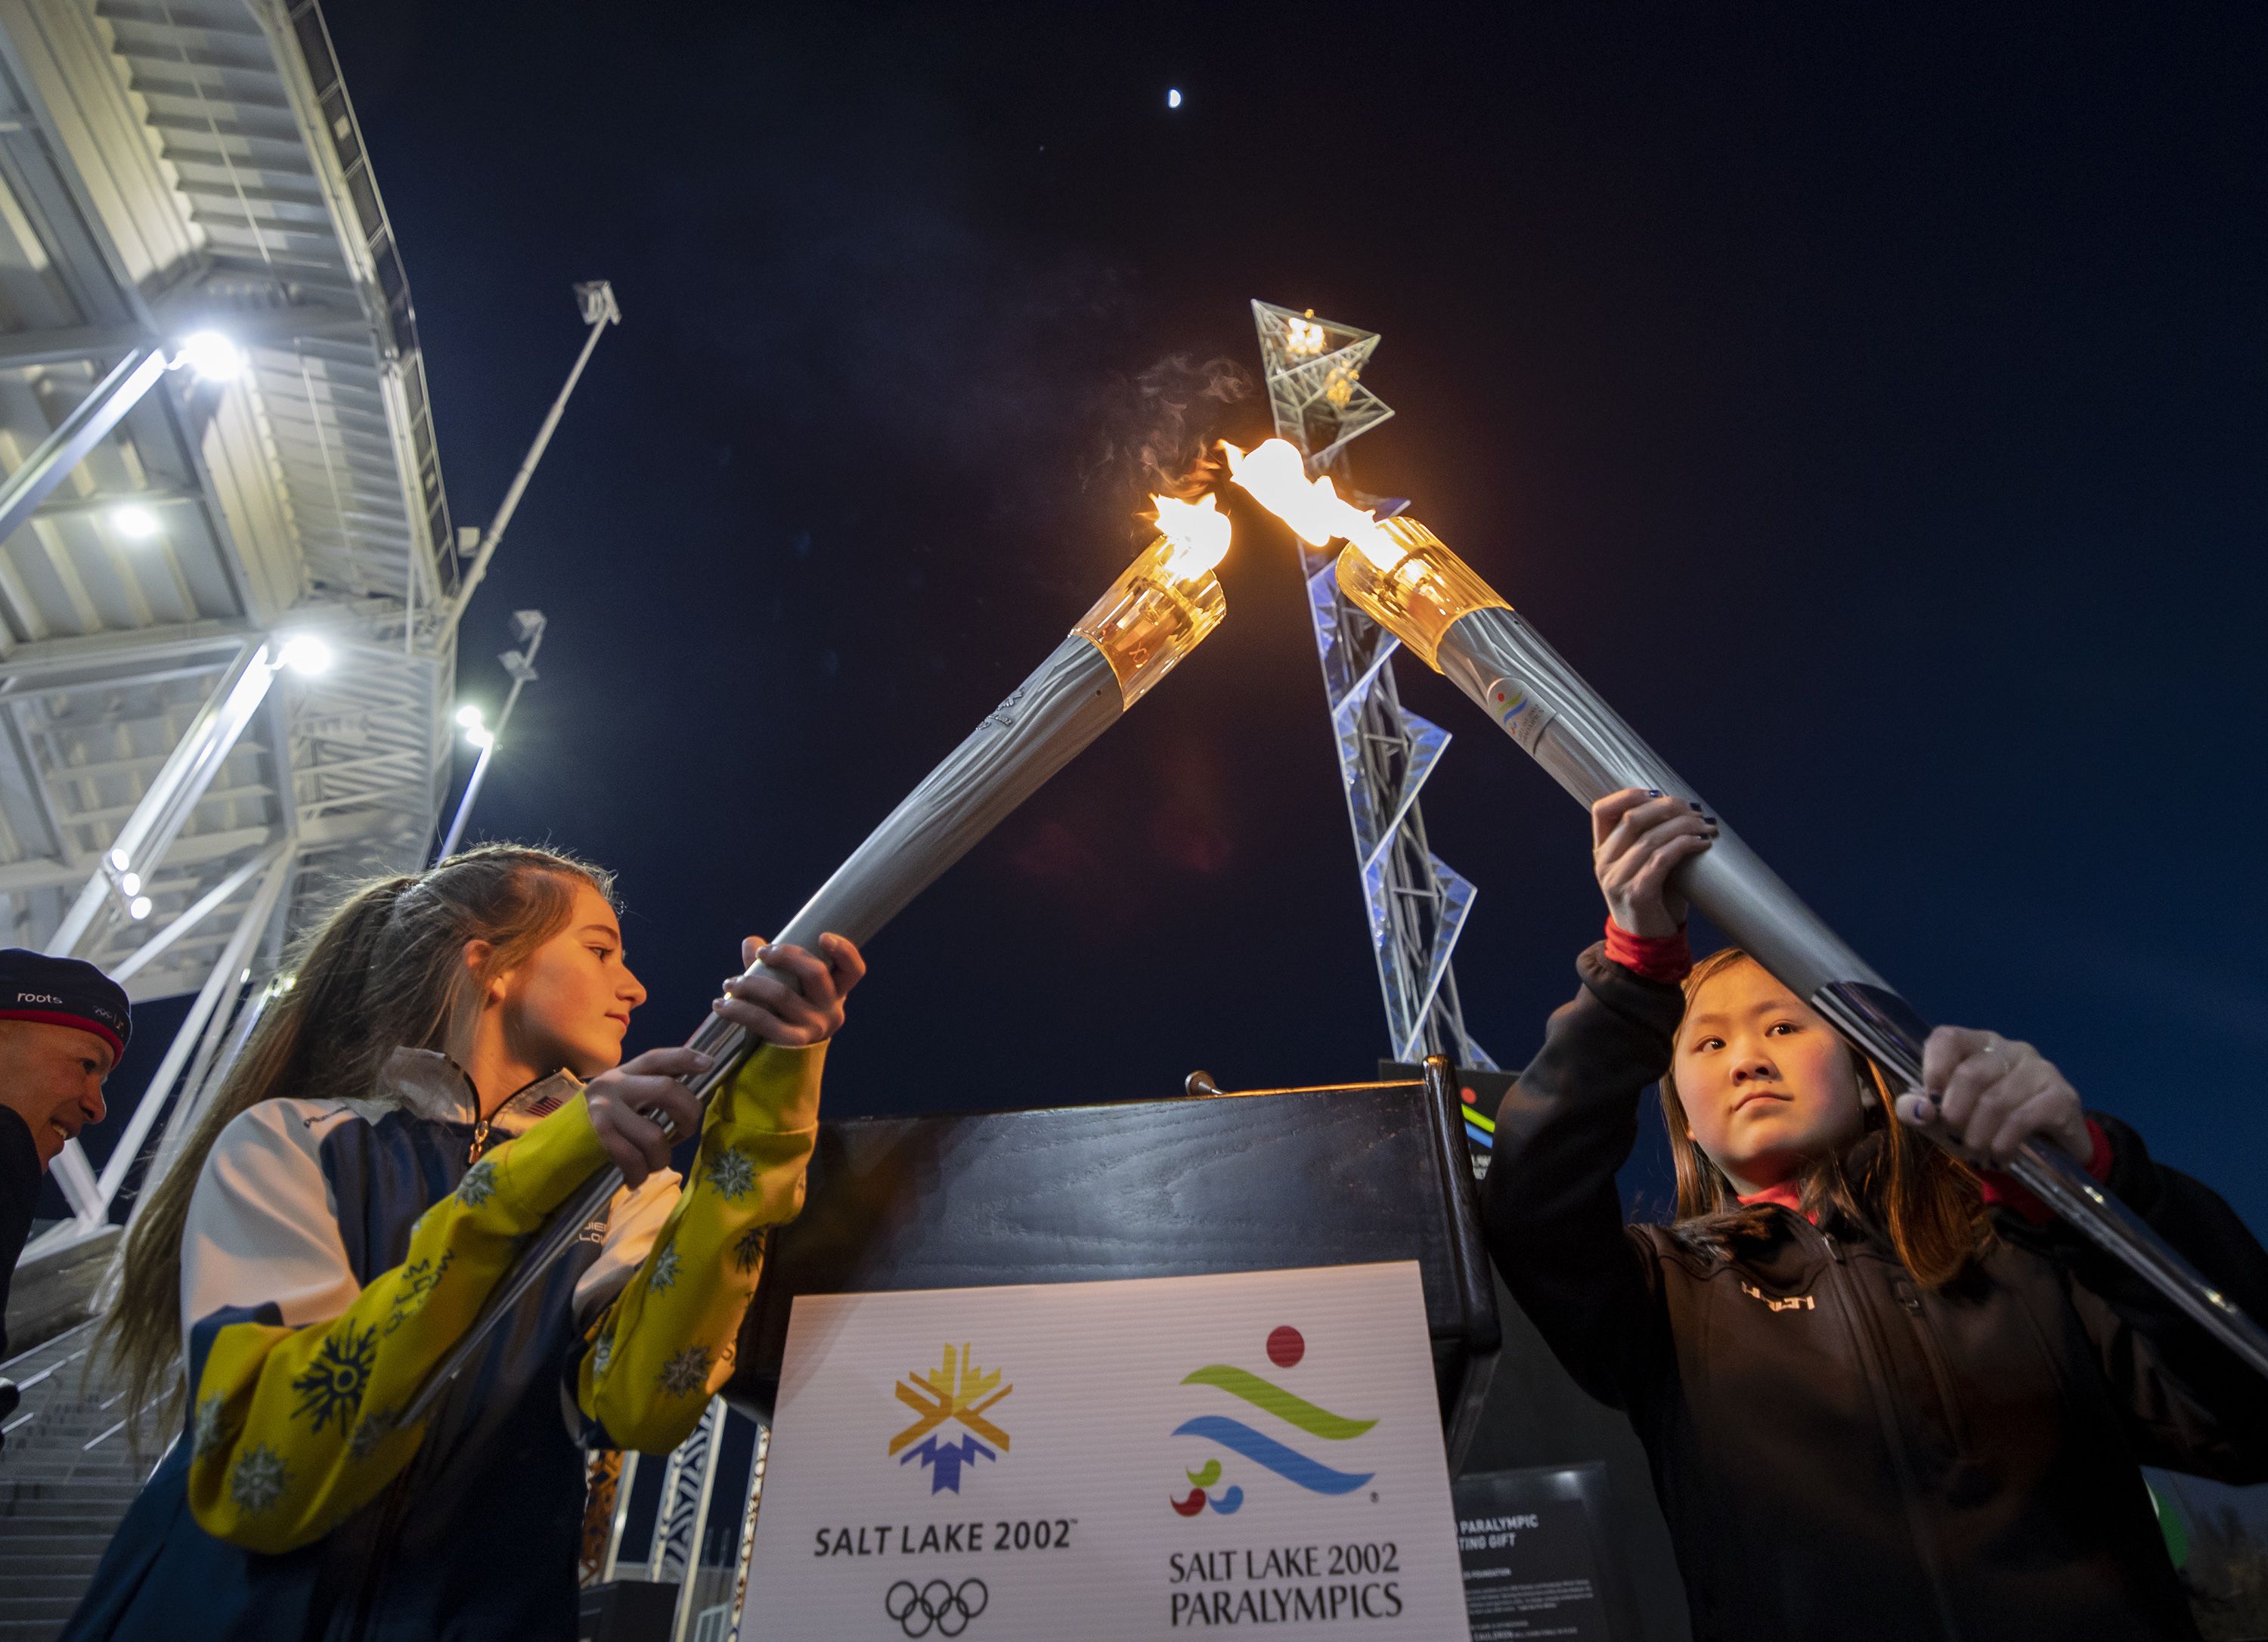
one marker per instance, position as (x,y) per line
(1665,958)
(2098,1161)
(2002,1191)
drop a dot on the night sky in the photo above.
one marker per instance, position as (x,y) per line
(1872,406)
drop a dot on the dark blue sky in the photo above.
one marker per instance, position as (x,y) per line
(1872,406)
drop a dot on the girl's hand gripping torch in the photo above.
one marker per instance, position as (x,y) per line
(1155,614)
(1407,581)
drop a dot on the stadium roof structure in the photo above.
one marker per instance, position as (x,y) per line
(182,517)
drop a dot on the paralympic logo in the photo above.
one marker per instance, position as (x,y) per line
(1285,1349)
(940,1606)
(960,1391)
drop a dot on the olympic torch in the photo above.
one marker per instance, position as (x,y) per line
(1405,578)
(1157,612)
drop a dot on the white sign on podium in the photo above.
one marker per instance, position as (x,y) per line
(1127,1460)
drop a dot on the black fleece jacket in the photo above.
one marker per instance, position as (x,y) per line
(1839,1453)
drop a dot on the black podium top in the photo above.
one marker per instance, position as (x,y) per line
(1145,1188)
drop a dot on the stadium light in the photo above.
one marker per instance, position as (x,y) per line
(306,654)
(213,356)
(135,524)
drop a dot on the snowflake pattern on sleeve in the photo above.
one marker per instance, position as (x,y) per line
(212,1430)
(479,1184)
(259,1479)
(333,1386)
(663,1278)
(685,1373)
(732,1171)
(748,1248)
(372,1429)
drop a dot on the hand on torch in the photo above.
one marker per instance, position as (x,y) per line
(642,1108)
(1994,1093)
(1406,579)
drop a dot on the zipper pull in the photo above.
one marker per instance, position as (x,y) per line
(480,1142)
(1834,1248)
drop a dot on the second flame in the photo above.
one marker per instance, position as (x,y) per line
(1276,474)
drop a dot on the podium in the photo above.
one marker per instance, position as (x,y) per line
(1337,1174)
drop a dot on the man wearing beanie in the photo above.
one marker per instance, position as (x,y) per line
(63,1025)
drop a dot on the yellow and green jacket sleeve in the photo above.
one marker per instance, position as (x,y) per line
(666,1345)
(295,1429)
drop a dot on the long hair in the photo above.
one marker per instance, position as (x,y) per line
(385,971)
(1923,1197)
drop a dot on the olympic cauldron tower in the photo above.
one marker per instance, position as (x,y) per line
(1417,903)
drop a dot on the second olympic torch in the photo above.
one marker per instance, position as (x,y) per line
(1409,583)
(1158,611)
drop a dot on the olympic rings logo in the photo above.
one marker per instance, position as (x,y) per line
(937,1606)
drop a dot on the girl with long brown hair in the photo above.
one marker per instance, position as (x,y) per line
(445,1071)
(1884,1394)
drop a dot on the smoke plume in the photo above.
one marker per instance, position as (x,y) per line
(1159,431)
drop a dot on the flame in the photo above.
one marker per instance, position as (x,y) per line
(1303,337)
(1198,531)
(1277,475)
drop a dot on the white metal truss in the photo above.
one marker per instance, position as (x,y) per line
(172,800)
(1417,903)
(711,1588)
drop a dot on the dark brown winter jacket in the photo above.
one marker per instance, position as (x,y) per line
(1839,1453)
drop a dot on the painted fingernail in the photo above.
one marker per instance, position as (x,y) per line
(1653,792)
(1693,804)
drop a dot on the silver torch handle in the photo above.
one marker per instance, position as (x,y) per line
(1495,658)
(1045,723)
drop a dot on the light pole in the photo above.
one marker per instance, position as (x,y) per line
(527,627)
(595,301)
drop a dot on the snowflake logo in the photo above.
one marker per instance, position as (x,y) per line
(259,1479)
(732,1171)
(602,1355)
(479,1184)
(333,1386)
(212,1430)
(664,1276)
(749,1250)
(375,1428)
(686,1373)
